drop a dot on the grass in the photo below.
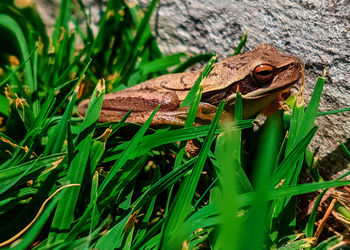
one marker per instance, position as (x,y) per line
(70,182)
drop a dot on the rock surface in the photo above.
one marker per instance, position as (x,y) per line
(317,31)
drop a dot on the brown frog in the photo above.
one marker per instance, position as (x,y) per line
(260,75)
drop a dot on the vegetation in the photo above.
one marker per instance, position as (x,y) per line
(70,182)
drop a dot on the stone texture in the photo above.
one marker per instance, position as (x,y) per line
(316,31)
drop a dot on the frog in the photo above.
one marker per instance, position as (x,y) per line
(260,75)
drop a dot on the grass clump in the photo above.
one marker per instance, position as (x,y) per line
(68,182)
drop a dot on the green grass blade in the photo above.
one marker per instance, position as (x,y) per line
(182,202)
(287,164)
(127,152)
(24,172)
(161,64)
(58,137)
(269,146)
(241,44)
(192,93)
(24,61)
(311,110)
(163,184)
(34,231)
(64,214)
(287,192)
(333,112)
(191,61)
(62,20)
(310,225)
(10,24)
(345,149)
(138,41)
(158,139)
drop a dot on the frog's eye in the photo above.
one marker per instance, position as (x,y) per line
(263,73)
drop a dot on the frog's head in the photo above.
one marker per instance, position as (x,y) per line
(259,75)
(272,72)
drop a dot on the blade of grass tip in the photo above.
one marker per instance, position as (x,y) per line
(63,53)
(116,127)
(64,213)
(294,125)
(103,35)
(10,24)
(241,44)
(191,94)
(183,199)
(87,19)
(127,152)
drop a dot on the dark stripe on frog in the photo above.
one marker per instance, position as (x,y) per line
(245,86)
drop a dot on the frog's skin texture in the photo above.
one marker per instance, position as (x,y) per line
(260,75)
